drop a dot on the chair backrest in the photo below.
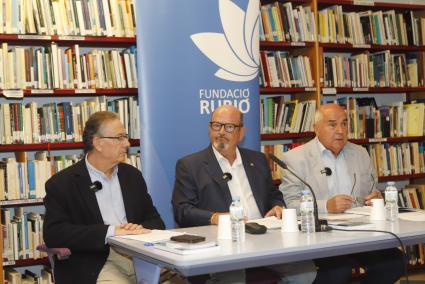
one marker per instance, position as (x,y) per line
(52,253)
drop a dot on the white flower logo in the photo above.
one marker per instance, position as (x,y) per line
(236,51)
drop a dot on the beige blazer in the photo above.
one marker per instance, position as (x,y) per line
(307,163)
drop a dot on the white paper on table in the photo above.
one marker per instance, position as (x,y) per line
(413,216)
(353,225)
(270,222)
(363,210)
(340,217)
(154,236)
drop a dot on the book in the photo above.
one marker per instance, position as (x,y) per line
(184,249)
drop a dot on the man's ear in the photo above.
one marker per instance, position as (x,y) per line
(241,133)
(97,143)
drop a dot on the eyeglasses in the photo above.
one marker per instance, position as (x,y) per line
(228,127)
(119,138)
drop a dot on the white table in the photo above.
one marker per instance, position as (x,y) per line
(260,250)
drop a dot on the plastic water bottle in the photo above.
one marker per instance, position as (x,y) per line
(307,213)
(237,218)
(391,199)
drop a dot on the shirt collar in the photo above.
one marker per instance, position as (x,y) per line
(95,172)
(221,158)
(325,151)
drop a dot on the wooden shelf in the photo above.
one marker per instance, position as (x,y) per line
(284,136)
(95,41)
(267,45)
(21,202)
(50,146)
(381,178)
(382,4)
(415,267)
(400,177)
(332,91)
(78,92)
(264,2)
(281,90)
(26,262)
(388,140)
(354,48)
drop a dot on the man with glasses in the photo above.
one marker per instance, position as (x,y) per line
(341,175)
(94,199)
(203,188)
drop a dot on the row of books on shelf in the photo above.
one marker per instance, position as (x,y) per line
(68,17)
(13,276)
(412,196)
(367,120)
(387,27)
(379,69)
(280,116)
(280,69)
(397,159)
(53,67)
(415,254)
(22,233)
(61,122)
(281,22)
(387,159)
(278,150)
(24,178)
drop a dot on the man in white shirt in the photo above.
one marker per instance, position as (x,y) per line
(342,176)
(203,189)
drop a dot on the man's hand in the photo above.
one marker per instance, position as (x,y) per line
(275,211)
(339,203)
(130,229)
(214,217)
(373,195)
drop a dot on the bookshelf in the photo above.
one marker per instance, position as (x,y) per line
(318,49)
(86,59)
(51,146)
(325,49)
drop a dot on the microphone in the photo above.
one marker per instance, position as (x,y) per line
(227,177)
(326,171)
(96,186)
(321,225)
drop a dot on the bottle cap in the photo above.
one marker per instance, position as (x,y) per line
(236,198)
(391,183)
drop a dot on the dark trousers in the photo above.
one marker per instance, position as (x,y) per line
(381,266)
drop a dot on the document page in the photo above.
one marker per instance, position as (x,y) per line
(340,217)
(200,248)
(418,216)
(270,222)
(154,236)
(363,210)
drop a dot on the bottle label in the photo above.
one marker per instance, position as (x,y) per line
(306,206)
(391,195)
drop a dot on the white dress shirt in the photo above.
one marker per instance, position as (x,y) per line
(339,182)
(239,184)
(109,198)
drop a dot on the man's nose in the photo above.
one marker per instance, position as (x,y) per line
(222,131)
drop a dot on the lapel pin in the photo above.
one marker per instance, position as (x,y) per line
(251,164)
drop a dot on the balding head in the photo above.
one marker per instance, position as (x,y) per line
(331,127)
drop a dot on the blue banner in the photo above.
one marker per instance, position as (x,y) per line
(193,56)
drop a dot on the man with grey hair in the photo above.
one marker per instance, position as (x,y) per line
(342,176)
(94,199)
(200,194)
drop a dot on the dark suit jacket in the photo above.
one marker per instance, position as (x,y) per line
(73,219)
(199,189)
